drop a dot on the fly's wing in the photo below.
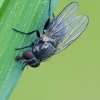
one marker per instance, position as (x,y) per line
(66,27)
(75,30)
(59,26)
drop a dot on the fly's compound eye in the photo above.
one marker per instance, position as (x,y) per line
(30,59)
(28,55)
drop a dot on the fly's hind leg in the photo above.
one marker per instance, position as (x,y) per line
(49,13)
(28,33)
(48,20)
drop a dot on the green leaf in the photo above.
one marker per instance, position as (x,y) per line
(24,15)
(1,2)
(3,5)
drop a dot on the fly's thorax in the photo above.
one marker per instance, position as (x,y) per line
(45,36)
(43,50)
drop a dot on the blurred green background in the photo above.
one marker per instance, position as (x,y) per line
(73,74)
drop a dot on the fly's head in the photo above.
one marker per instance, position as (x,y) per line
(29,59)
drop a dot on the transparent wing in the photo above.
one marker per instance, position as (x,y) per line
(58,27)
(66,27)
(74,31)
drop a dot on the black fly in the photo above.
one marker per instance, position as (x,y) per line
(58,34)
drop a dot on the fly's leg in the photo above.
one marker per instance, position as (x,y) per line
(49,10)
(53,15)
(18,58)
(49,13)
(37,32)
(47,22)
(25,46)
(46,25)
(29,33)
(23,67)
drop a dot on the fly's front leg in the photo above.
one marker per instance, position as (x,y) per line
(23,47)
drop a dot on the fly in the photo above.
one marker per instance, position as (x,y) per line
(58,33)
